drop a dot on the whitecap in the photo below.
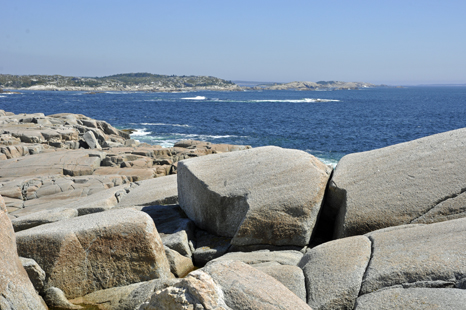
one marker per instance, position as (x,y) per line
(195,98)
(140,132)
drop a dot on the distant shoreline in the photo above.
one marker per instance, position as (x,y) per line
(147,82)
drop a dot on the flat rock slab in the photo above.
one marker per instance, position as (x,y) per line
(334,272)
(413,298)
(16,290)
(431,255)
(97,251)
(266,195)
(421,181)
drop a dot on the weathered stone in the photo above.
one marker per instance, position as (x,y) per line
(97,251)
(428,255)
(291,258)
(35,273)
(208,247)
(245,287)
(266,195)
(420,181)
(290,276)
(413,298)
(16,290)
(91,140)
(152,192)
(180,265)
(334,271)
(197,291)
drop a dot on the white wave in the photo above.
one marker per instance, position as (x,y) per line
(2,96)
(195,98)
(140,132)
(164,124)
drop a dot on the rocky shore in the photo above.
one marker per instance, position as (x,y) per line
(91,219)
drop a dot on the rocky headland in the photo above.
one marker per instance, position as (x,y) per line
(91,219)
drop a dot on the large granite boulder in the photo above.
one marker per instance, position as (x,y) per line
(16,290)
(98,251)
(421,181)
(266,195)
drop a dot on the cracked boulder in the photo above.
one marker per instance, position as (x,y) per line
(421,181)
(16,290)
(98,251)
(266,195)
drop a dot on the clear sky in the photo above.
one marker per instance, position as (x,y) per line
(392,42)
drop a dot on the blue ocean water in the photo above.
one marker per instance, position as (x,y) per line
(327,124)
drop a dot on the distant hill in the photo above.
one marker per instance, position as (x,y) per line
(128,81)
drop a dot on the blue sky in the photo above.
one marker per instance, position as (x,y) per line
(392,42)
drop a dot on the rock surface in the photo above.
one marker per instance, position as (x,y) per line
(16,290)
(266,195)
(97,251)
(420,181)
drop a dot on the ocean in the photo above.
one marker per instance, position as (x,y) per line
(327,124)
